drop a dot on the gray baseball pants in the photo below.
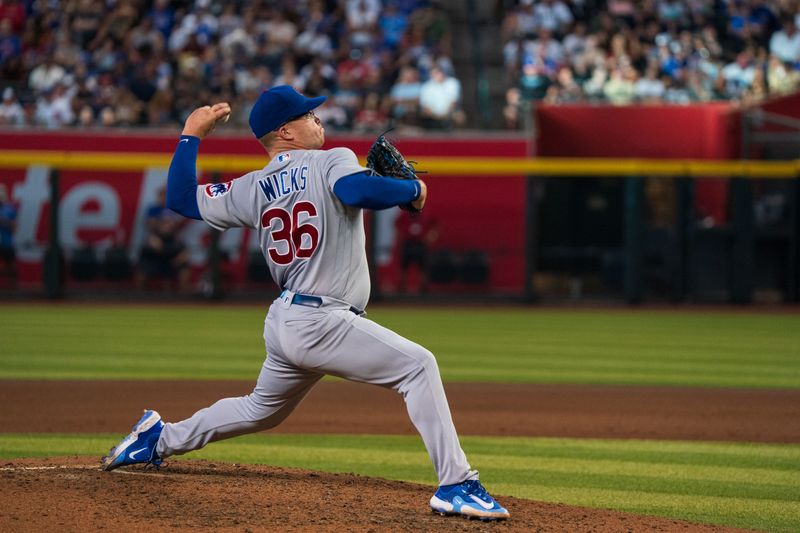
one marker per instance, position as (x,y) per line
(305,343)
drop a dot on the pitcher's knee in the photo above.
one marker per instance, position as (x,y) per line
(426,362)
(258,408)
(422,376)
(428,358)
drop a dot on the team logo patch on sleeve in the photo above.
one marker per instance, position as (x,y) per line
(215,190)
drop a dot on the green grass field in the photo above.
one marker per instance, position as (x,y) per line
(739,484)
(498,345)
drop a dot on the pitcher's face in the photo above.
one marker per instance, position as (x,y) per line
(308,130)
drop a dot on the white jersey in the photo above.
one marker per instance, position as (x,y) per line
(312,242)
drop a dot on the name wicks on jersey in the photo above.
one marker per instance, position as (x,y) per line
(286,181)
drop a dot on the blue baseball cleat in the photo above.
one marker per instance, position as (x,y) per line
(139,446)
(468,499)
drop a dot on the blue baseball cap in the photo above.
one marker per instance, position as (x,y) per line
(277,106)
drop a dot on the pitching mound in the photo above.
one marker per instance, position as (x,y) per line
(70,494)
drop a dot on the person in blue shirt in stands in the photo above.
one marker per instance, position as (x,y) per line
(8,222)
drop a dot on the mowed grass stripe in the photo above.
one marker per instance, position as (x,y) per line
(777,516)
(639,340)
(649,477)
(132,355)
(737,455)
(621,378)
(693,354)
(248,370)
(686,484)
(782,479)
(499,345)
(601,365)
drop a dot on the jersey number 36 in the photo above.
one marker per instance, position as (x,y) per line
(287,232)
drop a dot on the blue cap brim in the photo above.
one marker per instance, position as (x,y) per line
(316,102)
(277,106)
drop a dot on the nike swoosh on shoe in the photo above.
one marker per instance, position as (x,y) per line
(132,455)
(482,503)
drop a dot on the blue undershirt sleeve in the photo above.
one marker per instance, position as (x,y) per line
(182,178)
(375,192)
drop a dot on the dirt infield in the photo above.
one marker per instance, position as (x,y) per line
(478,409)
(70,494)
(66,494)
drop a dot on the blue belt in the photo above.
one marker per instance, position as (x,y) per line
(308,300)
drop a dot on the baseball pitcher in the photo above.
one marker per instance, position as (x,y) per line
(307,207)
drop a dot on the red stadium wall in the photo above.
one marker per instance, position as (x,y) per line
(104,207)
(708,131)
(788,106)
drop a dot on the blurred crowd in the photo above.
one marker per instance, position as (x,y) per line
(383,63)
(649,51)
(95,63)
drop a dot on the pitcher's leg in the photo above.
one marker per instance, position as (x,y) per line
(279,389)
(361,350)
(429,411)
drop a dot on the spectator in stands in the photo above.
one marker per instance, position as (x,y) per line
(535,80)
(280,33)
(370,118)
(313,42)
(54,108)
(86,118)
(513,108)
(622,10)
(333,116)
(362,21)
(619,89)
(10,44)
(86,19)
(565,90)
(8,222)
(434,22)
(439,99)
(289,75)
(781,78)
(739,74)
(393,25)
(172,55)
(649,89)
(347,96)
(108,118)
(553,16)
(575,42)
(679,38)
(163,255)
(785,43)
(11,113)
(13,11)
(757,92)
(520,22)
(146,38)
(761,19)
(44,77)
(319,76)
(545,47)
(675,91)
(404,97)
(672,11)
(118,22)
